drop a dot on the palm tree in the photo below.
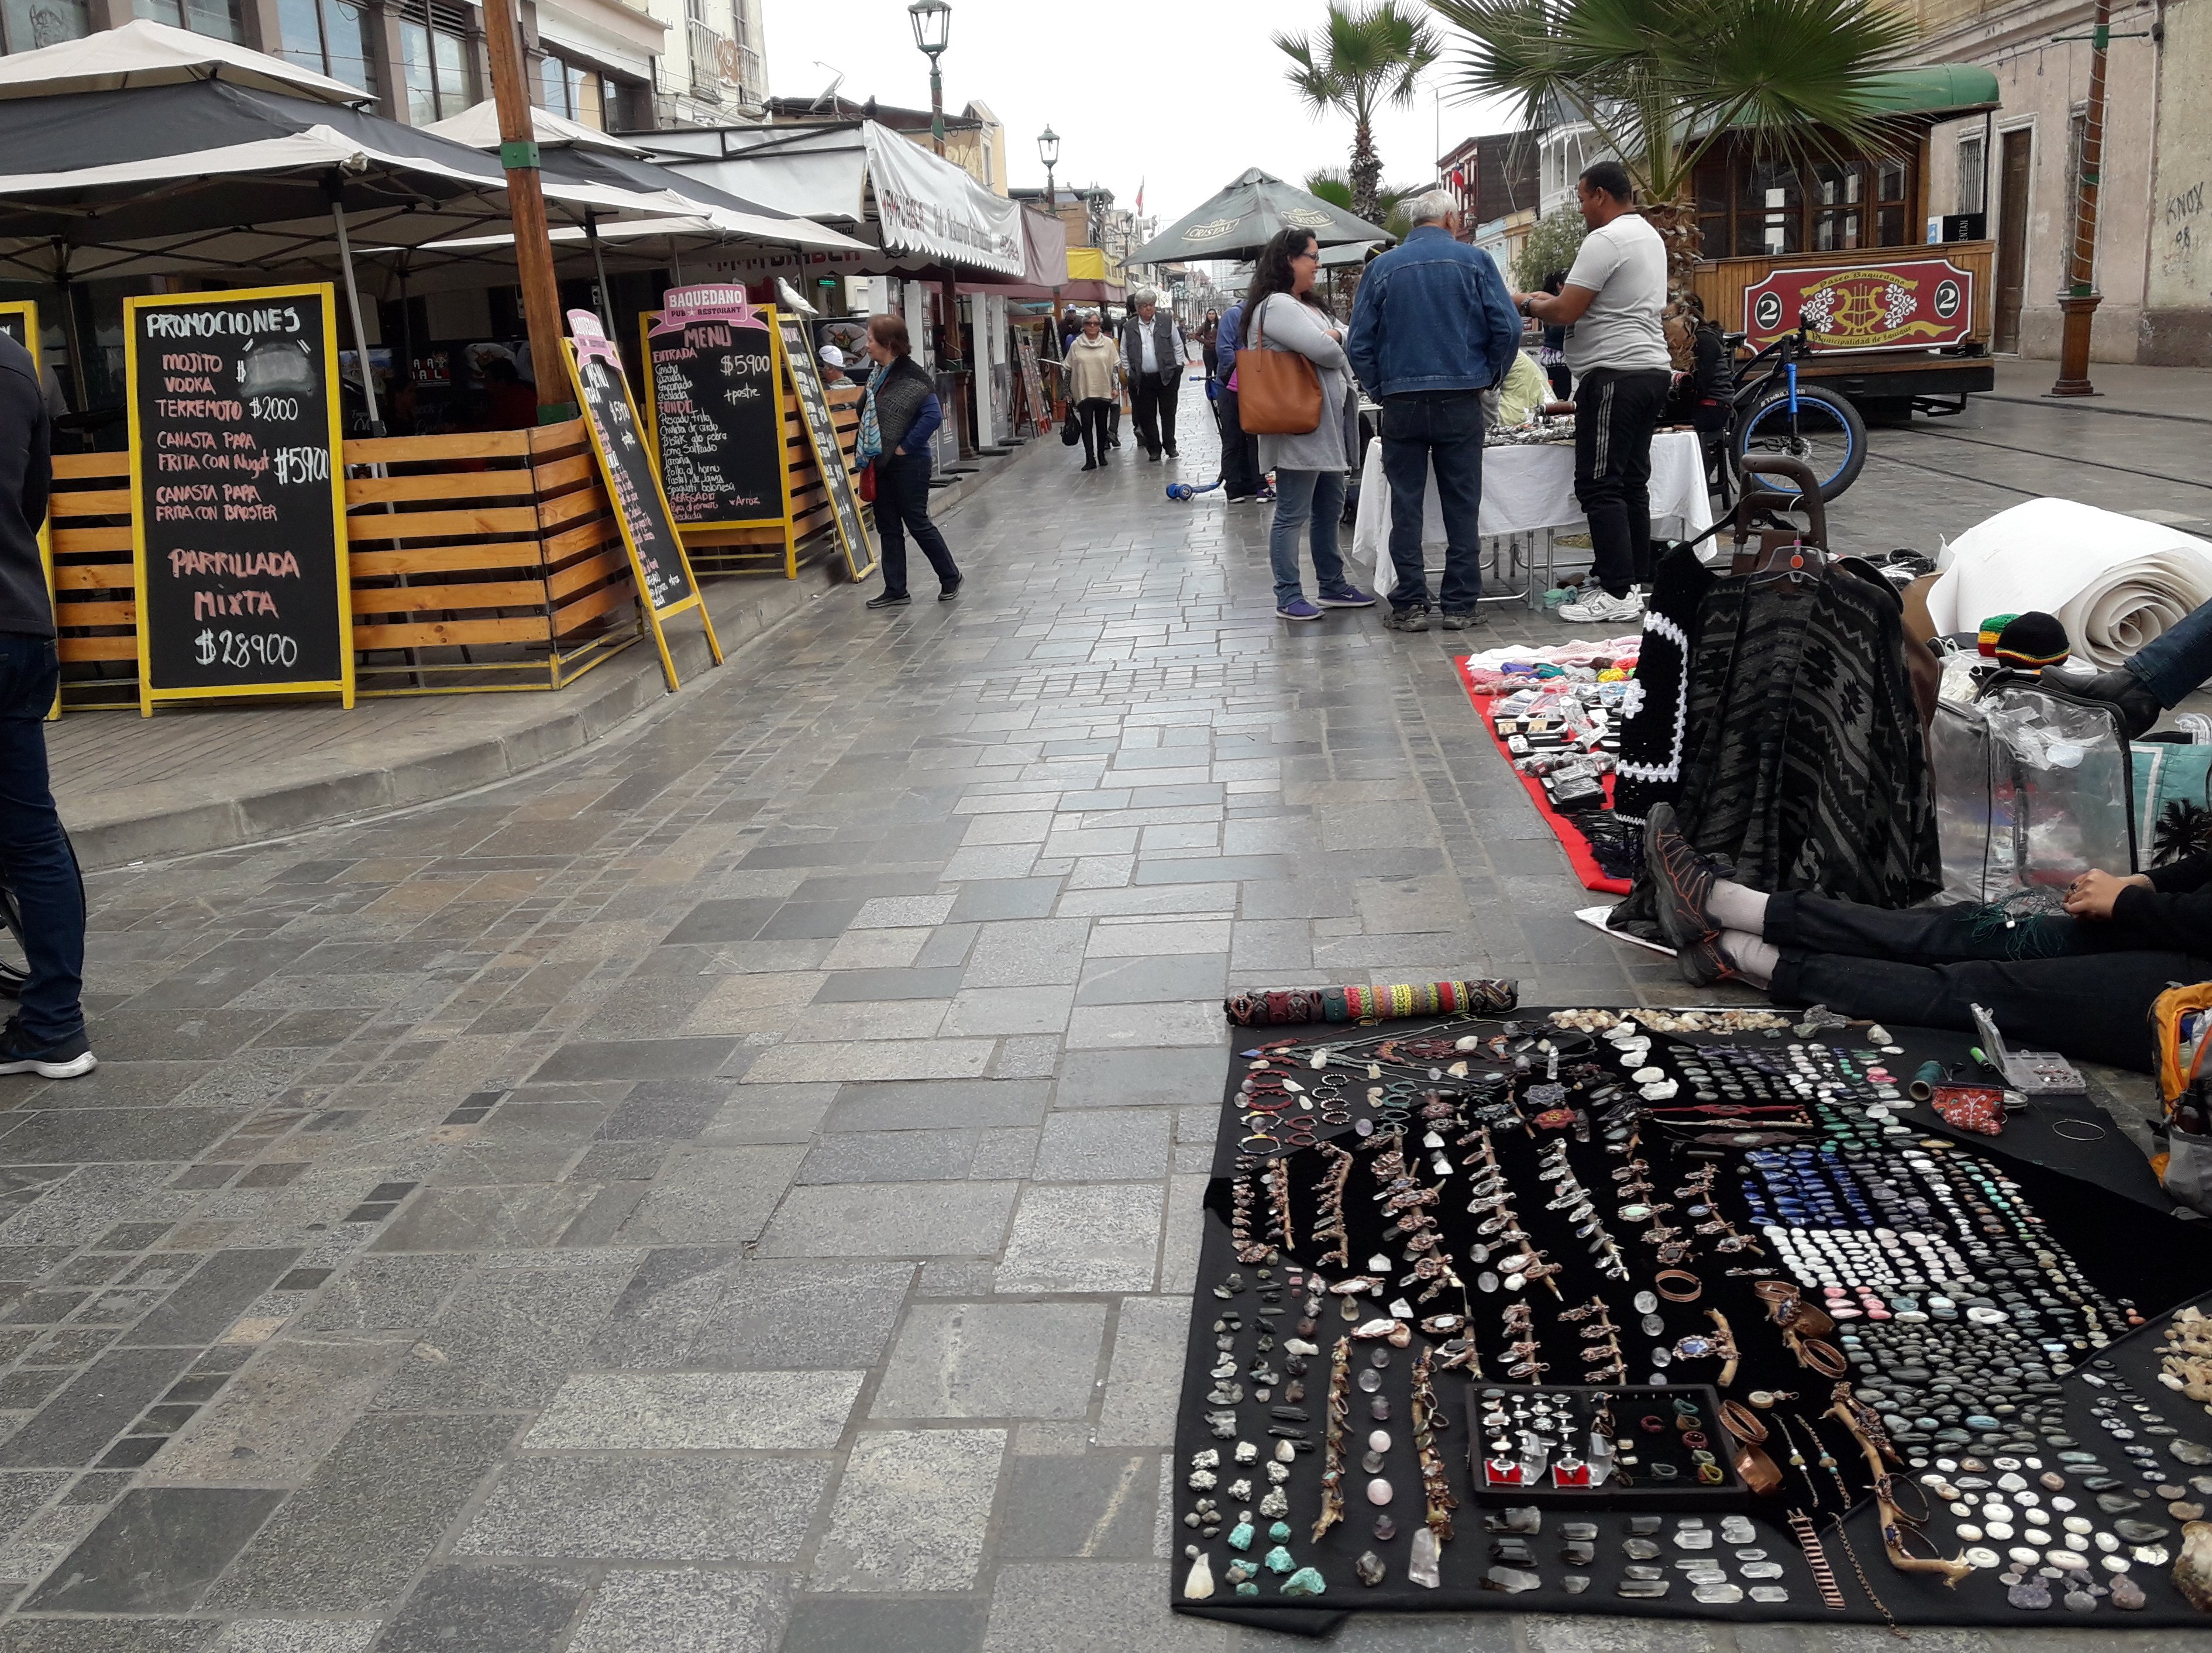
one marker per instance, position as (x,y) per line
(1391,200)
(1360,63)
(1662,80)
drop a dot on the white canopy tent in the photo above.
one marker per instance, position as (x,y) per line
(146,53)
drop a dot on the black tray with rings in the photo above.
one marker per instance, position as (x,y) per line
(1570,1478)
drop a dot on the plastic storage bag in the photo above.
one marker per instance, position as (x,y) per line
(2032,788)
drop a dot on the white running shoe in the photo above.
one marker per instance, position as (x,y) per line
(1599,606)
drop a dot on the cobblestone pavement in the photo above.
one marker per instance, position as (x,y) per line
(738,1190)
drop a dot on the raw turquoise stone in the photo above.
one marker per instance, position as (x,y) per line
(1280,1532)
(1304,1582)
(1248,1590)
(1279,1560)
(1240,1536)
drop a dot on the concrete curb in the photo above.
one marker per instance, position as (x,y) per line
(393,770)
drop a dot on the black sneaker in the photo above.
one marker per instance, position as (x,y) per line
(1457,619)
(946,593)
(1414,617)
(70,1058)
(889,600)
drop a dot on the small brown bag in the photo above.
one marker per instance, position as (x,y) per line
(1277,392)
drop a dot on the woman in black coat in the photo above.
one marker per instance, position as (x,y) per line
(904,412)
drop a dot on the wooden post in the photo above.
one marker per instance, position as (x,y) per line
(2080,301)
(525,200)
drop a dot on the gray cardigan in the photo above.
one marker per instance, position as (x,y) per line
(1293,325)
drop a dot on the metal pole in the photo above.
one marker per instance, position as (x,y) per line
(936,106)
(69,325)
(600,263)
(333,187)
(2080,301)
(525,204)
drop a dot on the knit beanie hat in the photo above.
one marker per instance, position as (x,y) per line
(1985,640)
(2031,641)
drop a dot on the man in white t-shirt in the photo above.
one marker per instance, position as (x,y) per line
(1617,349)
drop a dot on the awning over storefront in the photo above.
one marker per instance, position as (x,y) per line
(1044,262)
(215,178)
(143,53)
(573,154)
(1936,90)
(927,210)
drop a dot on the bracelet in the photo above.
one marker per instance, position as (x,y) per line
(1667,1279)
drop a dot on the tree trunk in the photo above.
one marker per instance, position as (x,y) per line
(1366,172)
(1676,221)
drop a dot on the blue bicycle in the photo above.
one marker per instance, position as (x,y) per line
(1772,414)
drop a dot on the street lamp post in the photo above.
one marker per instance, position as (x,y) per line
(1049,152)
(932,29)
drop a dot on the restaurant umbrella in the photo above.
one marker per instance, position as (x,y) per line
(1240,219)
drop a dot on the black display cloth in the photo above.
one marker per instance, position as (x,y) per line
(2075,1168)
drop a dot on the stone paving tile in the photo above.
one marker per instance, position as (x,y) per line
(993,1360)
(663,1412)
(1084,1237)
(891,1220)
(612,1508)
(491,1609)
(911,1513)
(688,1610)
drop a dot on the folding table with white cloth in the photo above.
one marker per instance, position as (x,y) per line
(1529,490)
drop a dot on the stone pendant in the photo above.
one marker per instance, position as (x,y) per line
(1199,1586)
(1421,1566)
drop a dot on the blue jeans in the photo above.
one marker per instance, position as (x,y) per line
(1445,428)
(902,508)
(2176,663)
(1300,496)
(35,858)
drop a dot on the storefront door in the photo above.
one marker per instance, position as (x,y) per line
(2012,237)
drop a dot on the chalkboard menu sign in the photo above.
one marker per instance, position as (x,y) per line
(806,370)
(1033,389)
(238,531)
(664,584)
(717,416)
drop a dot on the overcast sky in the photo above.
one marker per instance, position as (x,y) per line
(1180,99)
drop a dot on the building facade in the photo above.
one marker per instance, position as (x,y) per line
(630,65)
(2017,167)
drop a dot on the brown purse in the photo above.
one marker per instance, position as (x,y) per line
(1277,392)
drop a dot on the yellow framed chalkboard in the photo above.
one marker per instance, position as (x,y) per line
(19,320)
(713,409)
(804,370)
(665,586)
(239,549)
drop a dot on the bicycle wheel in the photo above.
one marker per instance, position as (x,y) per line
(13,967)
(1826,432)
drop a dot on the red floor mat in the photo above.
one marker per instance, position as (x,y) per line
(1563,826)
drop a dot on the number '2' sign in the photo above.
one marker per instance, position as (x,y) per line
(238,530)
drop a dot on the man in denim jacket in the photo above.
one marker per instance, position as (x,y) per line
(1433,327)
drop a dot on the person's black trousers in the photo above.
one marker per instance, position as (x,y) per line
(2051,982)
(35,856)
(1240,454)
(1091,415)
(1615,413)
(1154,398)
(902,508)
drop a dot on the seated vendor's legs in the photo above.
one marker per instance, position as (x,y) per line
(2091,1009)
(1919,935)
(2160,675)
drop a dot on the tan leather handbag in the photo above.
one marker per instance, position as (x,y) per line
(1277,392)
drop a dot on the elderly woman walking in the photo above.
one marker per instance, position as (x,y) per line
(898,419)
(1094,384)
(1283,313)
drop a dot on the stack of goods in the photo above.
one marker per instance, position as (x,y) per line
(1545,430)
(1557,713)
(1562,1312)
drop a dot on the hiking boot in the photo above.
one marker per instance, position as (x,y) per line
(2126,694)
(1457,620)
(1414,617)
(1681,881)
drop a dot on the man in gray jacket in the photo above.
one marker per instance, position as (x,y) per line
(1153,355)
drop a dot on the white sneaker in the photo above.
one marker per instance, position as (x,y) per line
(1599,606)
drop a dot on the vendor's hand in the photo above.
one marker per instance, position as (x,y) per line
(2091,895)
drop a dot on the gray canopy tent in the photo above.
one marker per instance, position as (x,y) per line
(1240,218)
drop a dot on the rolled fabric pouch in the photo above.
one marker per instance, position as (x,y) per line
(1925,1078)
(1261,1007)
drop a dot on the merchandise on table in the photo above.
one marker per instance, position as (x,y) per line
(1697,1286)
(1365,1004)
